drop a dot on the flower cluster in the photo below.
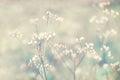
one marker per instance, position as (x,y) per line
(78,49)
(105,16)
(37,63)
(53,16)
(111,13)
(116,65)
(15,34)
(105,49)
(107,34)
(87,49)
(42,37)
(61,48)
(104,3)
(99,19)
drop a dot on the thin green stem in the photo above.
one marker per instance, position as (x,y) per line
(44,71)
(74,69)
(74,75)
(47,20)
(81,59)
(107,76)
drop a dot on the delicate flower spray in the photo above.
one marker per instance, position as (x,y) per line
(42,42)
(106,32)
(39,60)
(72,56)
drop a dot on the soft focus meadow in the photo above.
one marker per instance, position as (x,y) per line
(59,40)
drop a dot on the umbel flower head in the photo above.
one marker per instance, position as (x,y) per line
(15,34)
(41,37)
(104,3)
(53,16)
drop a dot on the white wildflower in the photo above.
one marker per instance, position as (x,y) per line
(15,34)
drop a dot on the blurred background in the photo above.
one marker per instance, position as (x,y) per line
(17,14)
